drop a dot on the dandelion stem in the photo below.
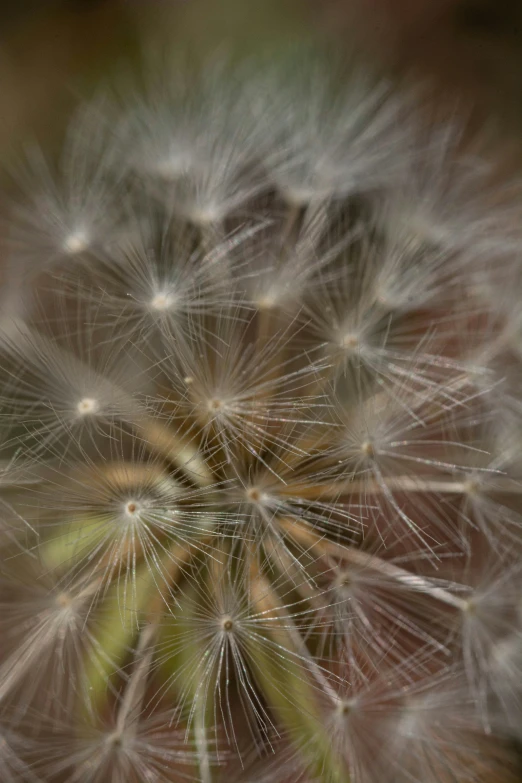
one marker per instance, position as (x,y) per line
(268,603)
(135,690)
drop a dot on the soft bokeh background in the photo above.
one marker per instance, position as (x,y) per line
(471,47)
(52,51)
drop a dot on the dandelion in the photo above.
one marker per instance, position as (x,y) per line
(260,453)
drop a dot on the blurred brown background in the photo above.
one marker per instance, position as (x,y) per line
(53,50)
(469,46)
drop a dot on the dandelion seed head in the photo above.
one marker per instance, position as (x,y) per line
(227,623)
(63,600)
(471,485)
(344,581)
(215,405)
(346,707)
(77,242)
(368,449)
(256,495)
(132,508)
(268,301)
(349,342)
(88,406)
(260,435)
(163,301)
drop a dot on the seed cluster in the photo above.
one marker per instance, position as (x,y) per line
(260,356)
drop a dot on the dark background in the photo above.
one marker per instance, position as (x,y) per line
(52,51)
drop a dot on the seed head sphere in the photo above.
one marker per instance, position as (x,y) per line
(261,437)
